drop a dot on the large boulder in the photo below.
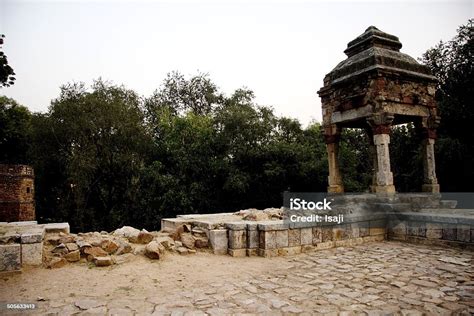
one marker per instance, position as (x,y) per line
(154,250)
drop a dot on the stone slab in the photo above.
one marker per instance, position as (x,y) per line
(32,254)
(10,257)
(57,228)
(32,237)
(219,241)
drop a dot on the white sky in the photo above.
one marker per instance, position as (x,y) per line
(279,49)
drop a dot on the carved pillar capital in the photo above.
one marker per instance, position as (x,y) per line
(332,134)
(380,123)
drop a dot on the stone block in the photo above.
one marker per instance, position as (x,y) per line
(273,225)
(354,230)
(294,237)
(289,251)
(237,252)
(10,238)
(281,238)
(252,252)
(449,233)
(252,239)
(325,245)
(327,234)
(236,225)
(363,229)
(219,241)
(306,236)
(268,252)
(57,228)
(341,232)
(377,227)
(32,254)
(32,237)
(267,239)
(397,228)
(237,239)
(317,235)
(434,231)
(10,257)
(463,233)
(417,229)
(307,248)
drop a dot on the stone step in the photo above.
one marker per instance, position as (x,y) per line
(448,203)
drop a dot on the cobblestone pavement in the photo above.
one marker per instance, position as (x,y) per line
(383,278)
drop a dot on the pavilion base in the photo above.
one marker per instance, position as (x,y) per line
(337,188)
(433,188)
(384,189)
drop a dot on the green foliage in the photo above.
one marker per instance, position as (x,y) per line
(15,121)
(452,63)
(7,75)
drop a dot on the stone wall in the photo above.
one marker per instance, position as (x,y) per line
(434,229)
(16,193)
(276,238)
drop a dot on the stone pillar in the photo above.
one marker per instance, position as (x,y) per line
(331,136)
(430,182)
(373,158)
(381,130)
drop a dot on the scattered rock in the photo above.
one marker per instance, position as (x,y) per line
(95,252)
(188,240)
(167,241)
(66,239)
(71,246)
(109,246)
(182,250)
(139,250)
(52,240)
(127,232)
(201,242)
(154,250)
(60,249)
(103,261)
(124,247)
(73,256)
(57,263)
(144,237)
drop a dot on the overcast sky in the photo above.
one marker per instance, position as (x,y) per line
(279,49)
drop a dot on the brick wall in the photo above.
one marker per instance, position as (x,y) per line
(16,193)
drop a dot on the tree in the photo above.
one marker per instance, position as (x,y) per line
(452,63)
(7,75)
(15,121)
(98,143)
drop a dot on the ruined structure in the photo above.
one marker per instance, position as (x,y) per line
(375,88)
(17,201)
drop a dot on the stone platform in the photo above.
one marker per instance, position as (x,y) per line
(418,218)
(21,243)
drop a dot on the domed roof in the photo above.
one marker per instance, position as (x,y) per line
(376,51)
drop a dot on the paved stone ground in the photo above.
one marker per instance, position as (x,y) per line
(384,278)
